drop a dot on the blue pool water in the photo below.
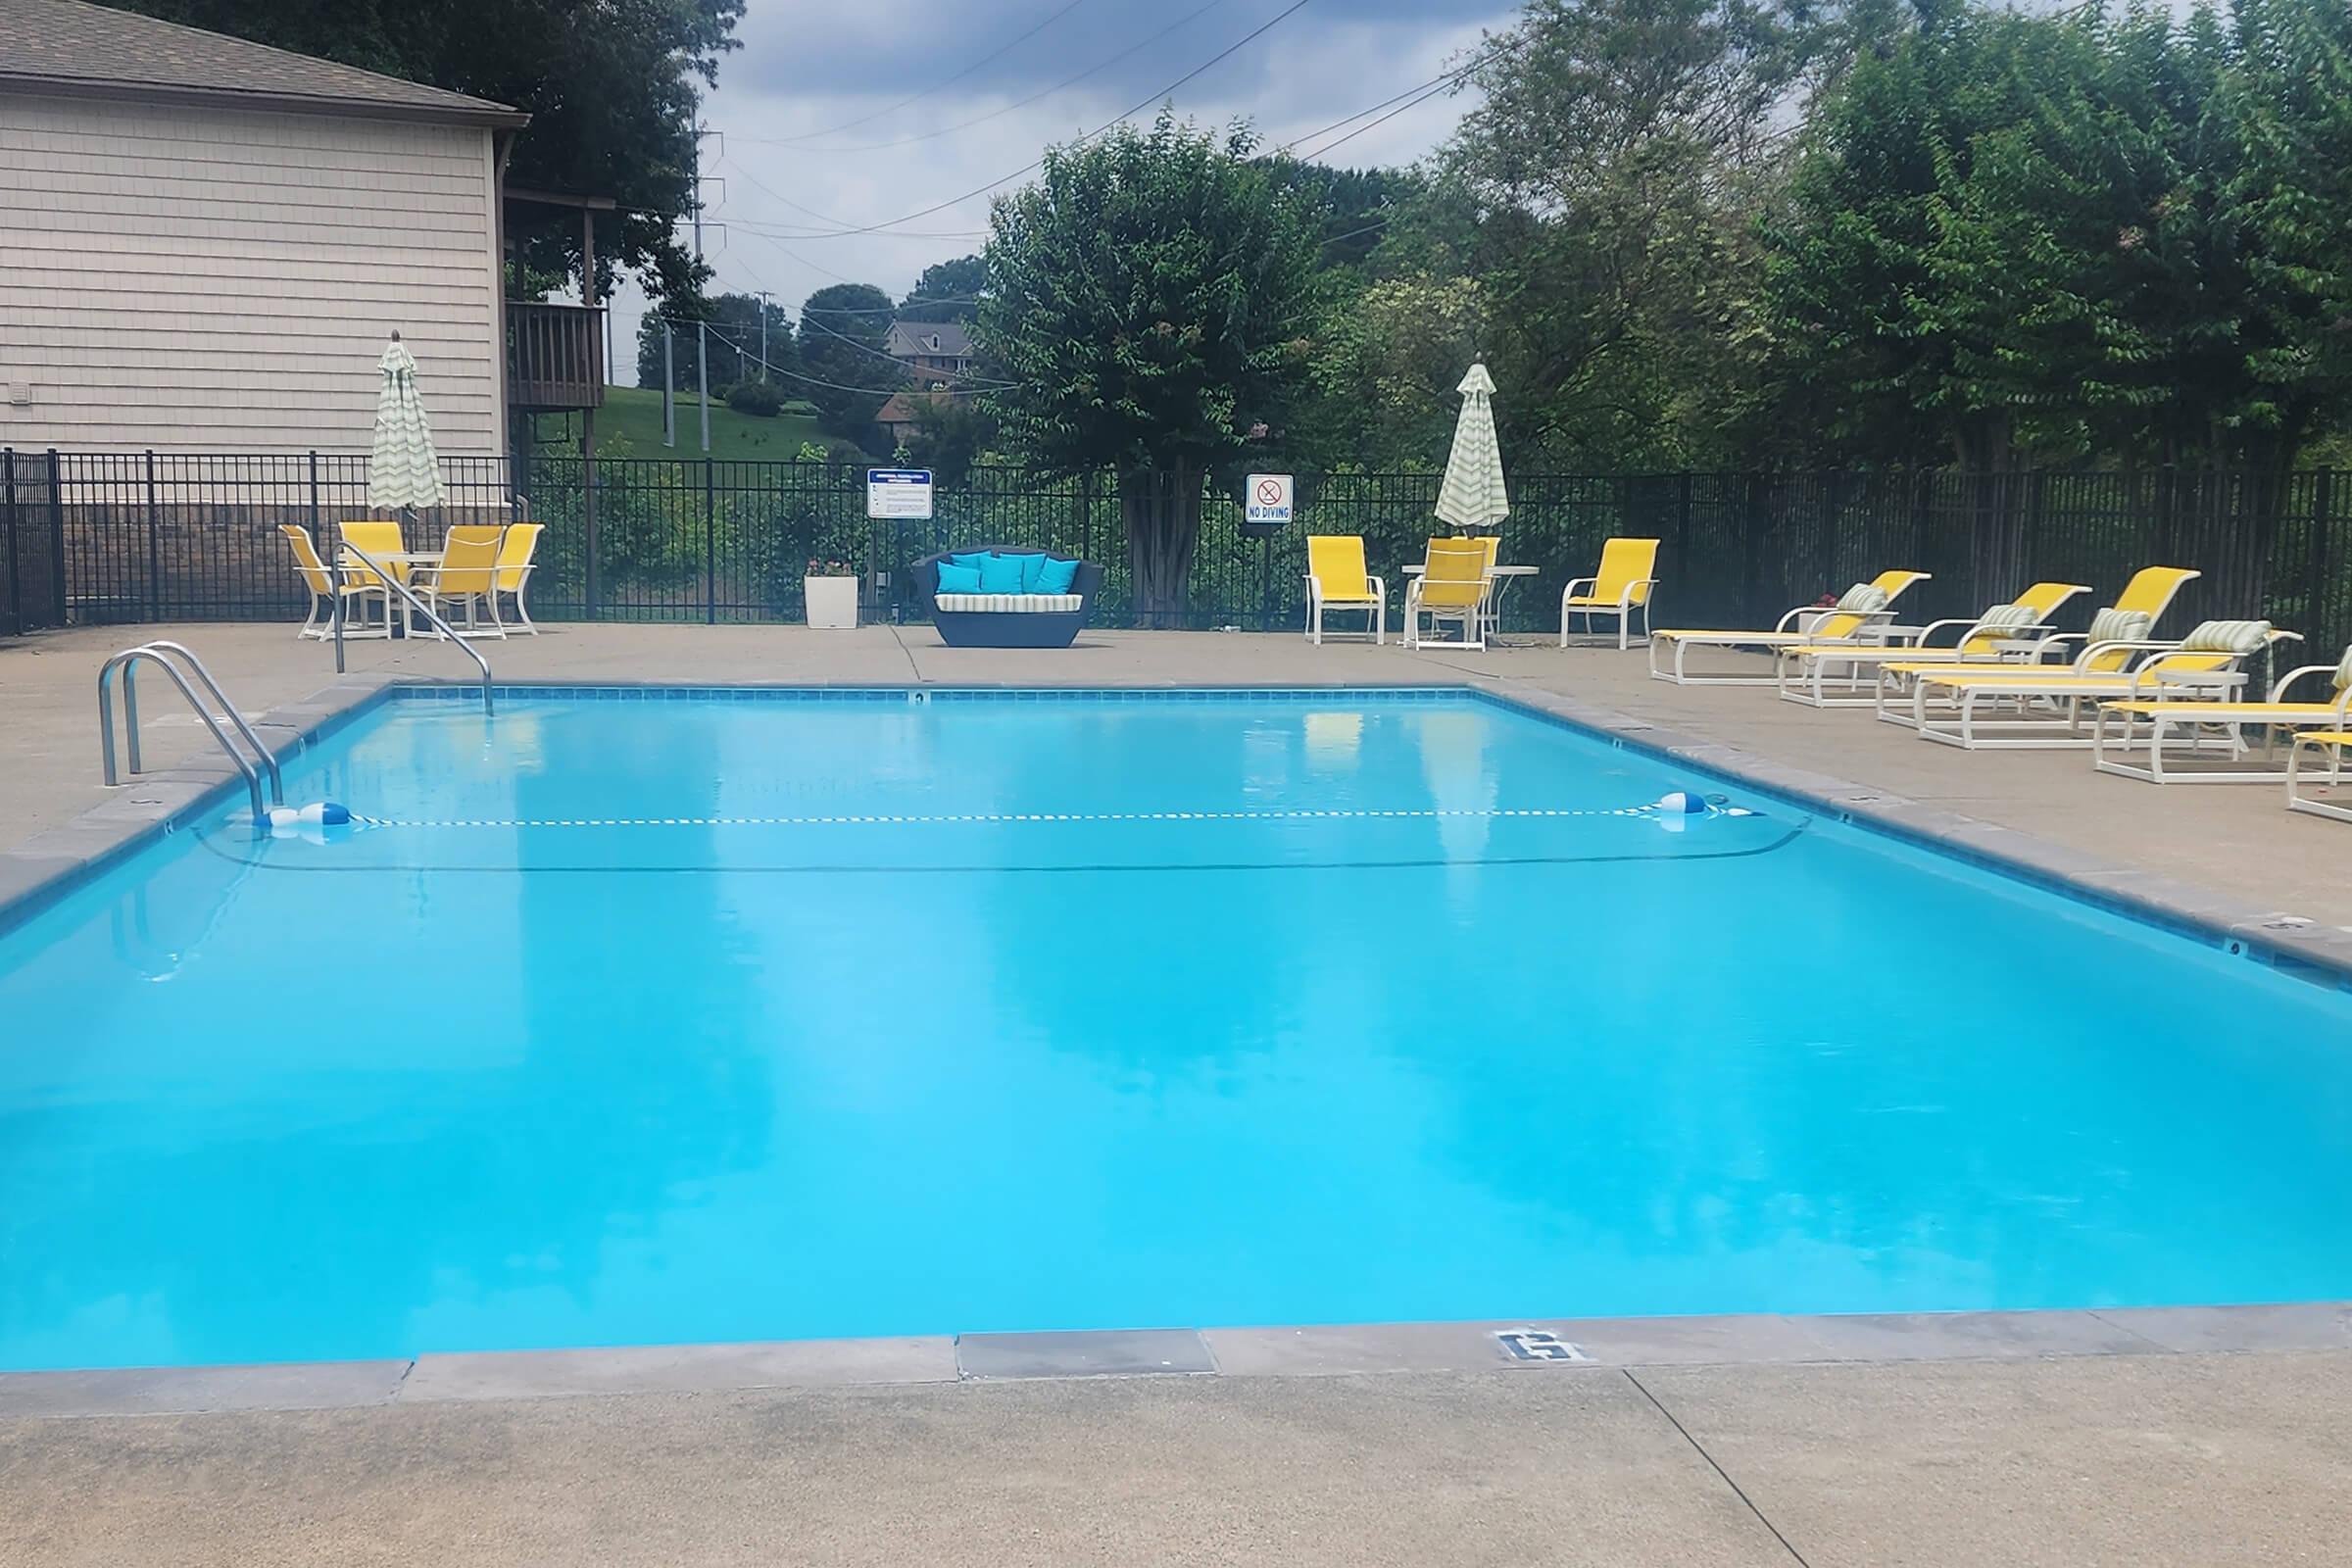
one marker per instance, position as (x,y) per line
(699,1020)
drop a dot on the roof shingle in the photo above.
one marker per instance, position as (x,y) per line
(74,47)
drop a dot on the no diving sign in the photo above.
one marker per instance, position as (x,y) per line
(1268,496)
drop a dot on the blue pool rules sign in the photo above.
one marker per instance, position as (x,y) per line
(899,493)
(1268,497)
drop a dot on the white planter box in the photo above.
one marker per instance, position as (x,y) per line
(832,603)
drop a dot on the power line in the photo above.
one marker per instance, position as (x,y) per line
(1219,57)
(1018,103)
(1437,91)
(1001,49)
(1495,51)
(827,234)
(813,380)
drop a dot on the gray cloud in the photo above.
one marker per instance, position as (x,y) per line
(779,160)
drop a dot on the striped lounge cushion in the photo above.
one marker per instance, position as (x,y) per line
(2343,673)
(2121,626)
(2236,637)
(1012,603)
(2009,618)
(1865,598)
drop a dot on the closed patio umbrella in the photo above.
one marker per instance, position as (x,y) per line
(1472,497)
(403,471)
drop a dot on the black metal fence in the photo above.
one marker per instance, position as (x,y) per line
(138,537)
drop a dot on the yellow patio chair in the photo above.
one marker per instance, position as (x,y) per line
(1620,586)
(2045,706)
(2331,744)
(2149,725)
(1452,586)
(2018,631)
(319,622)
(467,577)
(1863,605)
(1335,579)
(378,538)
(515,554)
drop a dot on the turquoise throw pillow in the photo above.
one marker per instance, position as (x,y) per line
(1055,575)
(1030,565)
(1000,574)
(959,579)
(969,557)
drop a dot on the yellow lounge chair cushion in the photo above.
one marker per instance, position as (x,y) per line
(2197,711)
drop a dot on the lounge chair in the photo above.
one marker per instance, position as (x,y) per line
(514,554)
(2044,707)
(316,577)
(2011,632)
(1452,586)
(378,538)
(1864,606)
(1620,586)
(465,577)
(1335,579)
(2332,744)
(2151,726)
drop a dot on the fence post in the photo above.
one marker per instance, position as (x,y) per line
(588,573)
(2323,507)
(1682,528)
(1086,515)
(57,538)
(1752,543)
(8,524)
(155,575)
(710,548)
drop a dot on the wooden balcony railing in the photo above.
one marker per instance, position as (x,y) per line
(554,355)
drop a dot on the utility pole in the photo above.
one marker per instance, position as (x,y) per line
(669,385)
(701,329)
(763,334)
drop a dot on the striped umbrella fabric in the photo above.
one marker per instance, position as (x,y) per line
(402,468)
(1472,497)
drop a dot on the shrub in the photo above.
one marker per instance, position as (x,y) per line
(756,398)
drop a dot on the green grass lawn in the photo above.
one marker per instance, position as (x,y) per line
(634,415)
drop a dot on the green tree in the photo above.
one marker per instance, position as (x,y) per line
(845,372)
(2292,100)
(947,291)
(1603,197)
(950,432)
(1150,298)
(611,92)
(735,344)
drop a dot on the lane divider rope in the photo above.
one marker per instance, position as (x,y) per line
(968,819)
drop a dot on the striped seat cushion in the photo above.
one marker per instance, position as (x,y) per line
(1011,603)
(2009,618)
(2235,637)
(1863,597)
(2121,626)
(2343,673)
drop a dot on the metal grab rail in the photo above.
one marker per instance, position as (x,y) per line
(167,656)
(384,576)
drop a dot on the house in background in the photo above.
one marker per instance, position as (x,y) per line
(205,243)
(936,354)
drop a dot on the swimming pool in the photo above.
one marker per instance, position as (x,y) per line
(670,1018)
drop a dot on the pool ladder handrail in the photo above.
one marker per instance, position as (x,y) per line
(169,657)
(449,632)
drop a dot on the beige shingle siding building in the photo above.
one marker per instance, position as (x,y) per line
(205,243)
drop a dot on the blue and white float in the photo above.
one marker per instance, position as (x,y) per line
(308,821)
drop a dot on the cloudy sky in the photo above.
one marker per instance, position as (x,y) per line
(836,116)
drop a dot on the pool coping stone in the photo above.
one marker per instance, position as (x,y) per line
(52,864)
(1559,1346)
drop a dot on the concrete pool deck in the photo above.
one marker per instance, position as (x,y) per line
(2190,1436)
